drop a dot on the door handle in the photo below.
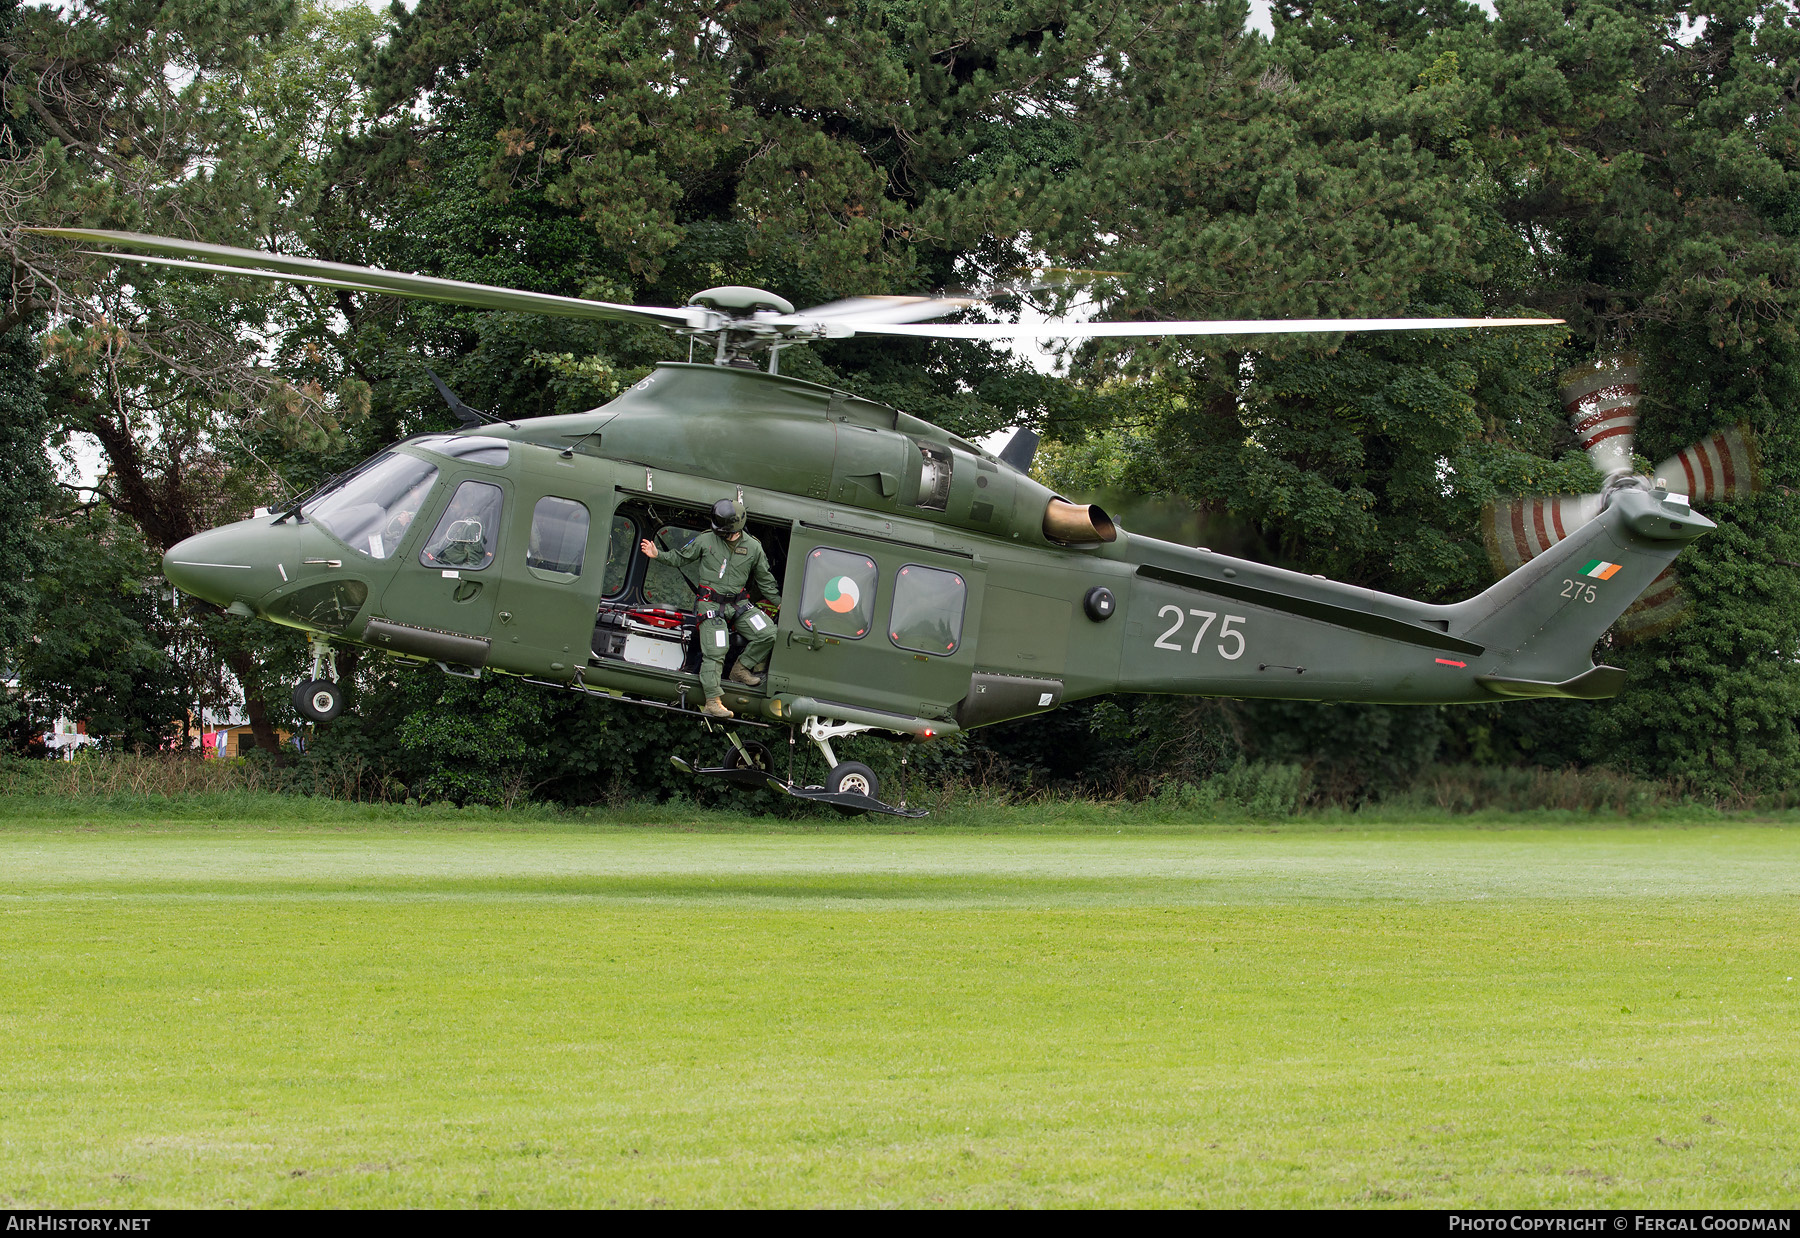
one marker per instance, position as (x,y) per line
(466,591)
(806,640)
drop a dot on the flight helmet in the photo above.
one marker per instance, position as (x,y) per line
(727,517)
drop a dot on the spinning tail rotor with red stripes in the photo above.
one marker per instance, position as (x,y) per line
(1601,398)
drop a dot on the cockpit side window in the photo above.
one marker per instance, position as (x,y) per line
(372,510)
(467,531)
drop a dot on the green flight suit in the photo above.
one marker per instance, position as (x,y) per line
(727,568)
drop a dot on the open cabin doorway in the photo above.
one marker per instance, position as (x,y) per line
(646,616)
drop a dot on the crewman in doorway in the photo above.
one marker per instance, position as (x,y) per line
(728,560)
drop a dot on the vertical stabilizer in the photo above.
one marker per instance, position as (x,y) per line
(1543,620)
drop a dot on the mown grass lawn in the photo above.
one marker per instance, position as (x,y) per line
(252,1013)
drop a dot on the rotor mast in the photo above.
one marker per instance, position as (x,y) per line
(749,321)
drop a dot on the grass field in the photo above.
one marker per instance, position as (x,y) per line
(485,1010)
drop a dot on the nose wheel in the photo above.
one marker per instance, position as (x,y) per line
(319,699)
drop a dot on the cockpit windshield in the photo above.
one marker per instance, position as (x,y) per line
(372,510)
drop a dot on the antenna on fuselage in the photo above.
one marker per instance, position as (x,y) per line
(467,418)
(1020,450)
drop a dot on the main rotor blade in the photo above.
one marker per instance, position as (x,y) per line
(257,264)
(1134,330)
(214,268)
(859,310)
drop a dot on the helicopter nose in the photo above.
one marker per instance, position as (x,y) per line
(230,564)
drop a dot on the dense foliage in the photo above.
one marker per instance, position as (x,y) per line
(1629,165)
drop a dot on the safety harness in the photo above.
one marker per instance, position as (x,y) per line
(709,602)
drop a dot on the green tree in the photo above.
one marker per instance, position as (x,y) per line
(1647,155)
(99,649)
(185,118)
(25,495)
(1628,166)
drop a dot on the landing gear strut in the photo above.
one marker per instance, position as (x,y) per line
(845,778)
(851,787)
(319,699)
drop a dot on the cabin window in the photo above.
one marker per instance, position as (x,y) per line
(466,532)
(928,610)
(664,582)
(559,533)
(838,595)
(935,468)
(373,510)
(620,545)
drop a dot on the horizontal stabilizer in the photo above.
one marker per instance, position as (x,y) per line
(1594,685)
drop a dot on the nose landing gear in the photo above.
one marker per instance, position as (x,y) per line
(319,699)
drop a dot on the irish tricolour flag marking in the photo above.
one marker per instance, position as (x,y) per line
(1600,569)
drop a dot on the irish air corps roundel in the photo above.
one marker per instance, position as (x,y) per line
(1600,569)
(842,595)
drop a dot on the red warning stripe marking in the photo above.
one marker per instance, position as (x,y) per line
(1583,421)
(1601,400)
(1611,432)
(1449,662)
(1723,450)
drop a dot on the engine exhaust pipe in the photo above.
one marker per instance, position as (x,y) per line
(1078,523)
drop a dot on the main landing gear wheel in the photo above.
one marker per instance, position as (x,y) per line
(318,700)
(852,778)
(754,755)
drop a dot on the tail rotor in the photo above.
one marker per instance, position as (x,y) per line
(1601,399)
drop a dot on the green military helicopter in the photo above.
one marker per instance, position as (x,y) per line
(930,586)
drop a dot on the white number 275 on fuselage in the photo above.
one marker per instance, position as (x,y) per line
(1231,638)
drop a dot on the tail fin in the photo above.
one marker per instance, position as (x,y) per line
(1541,622)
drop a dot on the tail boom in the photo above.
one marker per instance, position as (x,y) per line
(1208,625)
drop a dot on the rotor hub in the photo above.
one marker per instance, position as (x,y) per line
(738,300)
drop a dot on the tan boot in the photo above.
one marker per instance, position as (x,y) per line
(744,675)
(715,708)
